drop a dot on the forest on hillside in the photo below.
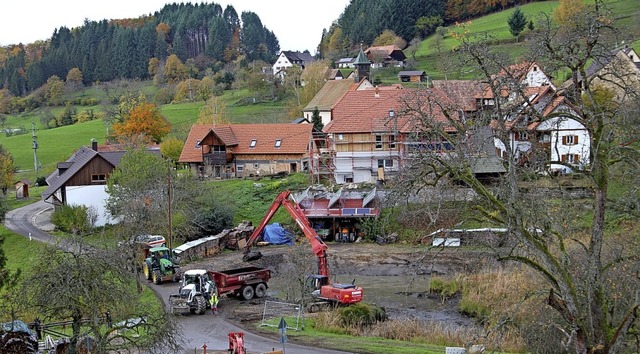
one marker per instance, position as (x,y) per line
(207,37)
(201,35)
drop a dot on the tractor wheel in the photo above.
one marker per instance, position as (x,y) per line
(247,292)
(157,277)
(146,270)
(201,305)
(261,290)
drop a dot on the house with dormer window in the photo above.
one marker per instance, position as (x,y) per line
(247,150)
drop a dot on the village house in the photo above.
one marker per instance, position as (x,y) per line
(82,178)
(247,150)
(288,59)
(345,63)
(385,56)
(619,69)
(544,126)
(370,141)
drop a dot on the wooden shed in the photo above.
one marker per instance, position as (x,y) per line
(412,76)
(22,189)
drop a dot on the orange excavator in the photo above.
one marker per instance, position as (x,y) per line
(343,294)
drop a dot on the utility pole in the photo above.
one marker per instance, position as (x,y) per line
(34,141)
(169,201)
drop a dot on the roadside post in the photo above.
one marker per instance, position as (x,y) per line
(282,328)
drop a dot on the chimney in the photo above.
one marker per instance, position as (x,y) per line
(94,144)
(377,92)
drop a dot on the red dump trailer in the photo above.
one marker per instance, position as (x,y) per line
(244,282)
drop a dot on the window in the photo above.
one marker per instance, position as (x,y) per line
(253,143)
(219,148)
(545,138)
(256,166)
(378,141)
(278,143)
(522,136)
(570,158)
(100,178)
(385,163)
(570,140)
(240,168)
(392,141)
(198,144)
(340,137)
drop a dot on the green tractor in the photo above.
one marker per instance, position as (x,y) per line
(161,265)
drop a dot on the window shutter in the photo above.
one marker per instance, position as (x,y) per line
(576,157)
(575,139)
(564,141)
(563,158)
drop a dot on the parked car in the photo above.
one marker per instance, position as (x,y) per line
(149,240)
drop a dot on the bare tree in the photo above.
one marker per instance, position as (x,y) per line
(594,312)
(86,285)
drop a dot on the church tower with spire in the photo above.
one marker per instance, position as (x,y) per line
(362,67)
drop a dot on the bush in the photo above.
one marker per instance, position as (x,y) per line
(41,181)
(89,101)
(88,115)
(445,288)
(211,222)
(164,96)
(361,315)
(75,219)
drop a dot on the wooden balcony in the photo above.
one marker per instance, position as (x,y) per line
(217,158)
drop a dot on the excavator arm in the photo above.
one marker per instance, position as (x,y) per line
(318,246)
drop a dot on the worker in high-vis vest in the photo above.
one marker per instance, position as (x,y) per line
(214,302)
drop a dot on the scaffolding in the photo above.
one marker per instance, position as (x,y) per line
(322,167)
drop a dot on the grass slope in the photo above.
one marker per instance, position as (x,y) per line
(432,55)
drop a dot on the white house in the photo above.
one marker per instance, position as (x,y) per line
(564,140)
(287,59)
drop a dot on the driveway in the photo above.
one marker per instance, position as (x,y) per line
(33,221)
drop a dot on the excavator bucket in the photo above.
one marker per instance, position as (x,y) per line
(252,256)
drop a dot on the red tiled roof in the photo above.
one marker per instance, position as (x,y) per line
(462,92)
(552,106)
(517,71)
(368,110)
(294,139)
(190,151)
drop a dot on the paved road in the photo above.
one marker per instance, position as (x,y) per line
(33,221)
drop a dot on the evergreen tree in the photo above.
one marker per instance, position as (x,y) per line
(219,38)
(517,22)
(317,120)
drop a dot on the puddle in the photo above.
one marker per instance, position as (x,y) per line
(407,297)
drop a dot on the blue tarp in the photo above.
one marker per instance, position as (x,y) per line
(275,234)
